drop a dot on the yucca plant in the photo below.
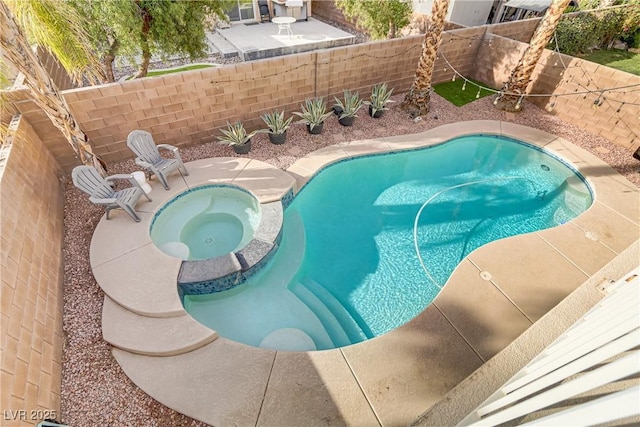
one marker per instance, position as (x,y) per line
(347,110)
(236,136)
(352,103)
(277,126)
(380,96)
(276,122)
(313,114)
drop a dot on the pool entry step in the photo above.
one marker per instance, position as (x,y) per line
(340,325)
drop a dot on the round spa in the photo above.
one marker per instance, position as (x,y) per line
(206,222)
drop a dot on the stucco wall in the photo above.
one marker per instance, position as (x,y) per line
(31,208)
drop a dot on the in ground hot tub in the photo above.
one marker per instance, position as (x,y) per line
(206,222)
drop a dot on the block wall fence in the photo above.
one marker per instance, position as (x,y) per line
(31,259)
(191,107)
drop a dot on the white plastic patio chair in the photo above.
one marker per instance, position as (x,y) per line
(100,190)
(142,144)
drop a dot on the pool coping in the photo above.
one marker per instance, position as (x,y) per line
(391,379)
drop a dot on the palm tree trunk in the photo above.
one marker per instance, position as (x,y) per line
(510,96)
(44,92)
(416,101)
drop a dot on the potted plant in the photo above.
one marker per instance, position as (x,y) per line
(277,126)
(314,113)
(379,98)
(237,137)
(347,110)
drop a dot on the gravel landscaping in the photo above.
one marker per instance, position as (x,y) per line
(95,391)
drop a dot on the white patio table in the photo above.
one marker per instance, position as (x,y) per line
(284,23)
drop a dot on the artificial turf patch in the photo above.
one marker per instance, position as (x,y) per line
(452,91)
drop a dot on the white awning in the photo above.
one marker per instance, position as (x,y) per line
(535,5)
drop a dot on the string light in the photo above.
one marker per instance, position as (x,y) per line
(478,94)
(519,103)
(576,91)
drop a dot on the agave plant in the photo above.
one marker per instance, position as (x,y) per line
(276,122)
(352,103)
(314,112)
(379,98)
(235,134)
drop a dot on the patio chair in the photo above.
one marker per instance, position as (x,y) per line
(142,144)
(101,192)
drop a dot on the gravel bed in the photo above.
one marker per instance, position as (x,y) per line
(95,391)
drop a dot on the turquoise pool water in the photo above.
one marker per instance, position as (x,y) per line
(206,222)
(368,243)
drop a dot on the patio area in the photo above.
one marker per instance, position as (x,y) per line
(389,380)
(264,40)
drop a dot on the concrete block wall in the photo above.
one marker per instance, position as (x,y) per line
(616,118)
(32,211)
(516,30)
(360,67)
(57,72)
(191,107)
(560,74)
(49,135)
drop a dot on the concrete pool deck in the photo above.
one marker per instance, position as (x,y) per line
(389,380)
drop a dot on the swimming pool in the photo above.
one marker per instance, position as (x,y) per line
(370,241)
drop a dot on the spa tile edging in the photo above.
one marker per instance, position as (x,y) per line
(228,271)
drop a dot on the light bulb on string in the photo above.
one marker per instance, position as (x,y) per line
(519,103)
(464,85)
(478,94)
(619,108)
(453,79)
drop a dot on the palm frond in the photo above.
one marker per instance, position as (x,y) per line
(59,28)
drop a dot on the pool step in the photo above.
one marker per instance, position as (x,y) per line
(323,313)
(153,336)
(348,324)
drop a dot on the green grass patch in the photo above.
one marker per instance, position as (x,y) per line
(452,91)
(614,58)
(156,73)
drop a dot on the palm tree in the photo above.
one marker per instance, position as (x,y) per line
(416,101)
(58,29)
(510,96)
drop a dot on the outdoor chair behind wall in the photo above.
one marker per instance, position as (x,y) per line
(148,156)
